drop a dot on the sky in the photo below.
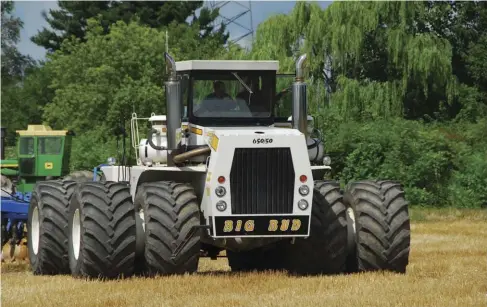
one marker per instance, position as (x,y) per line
(30,12)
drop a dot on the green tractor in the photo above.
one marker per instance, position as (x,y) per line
(42,154)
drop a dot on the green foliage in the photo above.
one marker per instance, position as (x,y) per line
(13,62)
(72,18)
(101,145)
(437,165)
(106,78)
(14,67)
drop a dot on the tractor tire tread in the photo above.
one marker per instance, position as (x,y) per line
(325,250)
(171,210)
(108,220)
(53,200)
(382,225)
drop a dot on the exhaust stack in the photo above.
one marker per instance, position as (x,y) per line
(173,104)
(300,104)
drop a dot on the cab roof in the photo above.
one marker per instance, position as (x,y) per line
(228,65)
(41,130)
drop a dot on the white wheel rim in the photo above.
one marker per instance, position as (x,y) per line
(35,230)
(76,234)
(351,228)
(142,218)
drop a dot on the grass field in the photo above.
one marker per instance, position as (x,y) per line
(448,267)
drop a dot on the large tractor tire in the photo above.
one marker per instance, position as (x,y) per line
(47,224)
(259,259)
(101,231)
(382,227)
(81,176)
(325,250)
(167,211)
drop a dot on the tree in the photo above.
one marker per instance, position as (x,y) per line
(384,64)
(71,18)
(13,62)
(15,111)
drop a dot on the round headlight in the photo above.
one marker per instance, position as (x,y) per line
(220,191)
(326,161)
(221,206)
(303,204)
(304,190)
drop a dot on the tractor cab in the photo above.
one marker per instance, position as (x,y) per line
(228,93)
(42,152)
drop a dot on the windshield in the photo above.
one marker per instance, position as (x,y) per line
(232,94)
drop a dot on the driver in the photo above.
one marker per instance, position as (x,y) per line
(219,91)
(219,100)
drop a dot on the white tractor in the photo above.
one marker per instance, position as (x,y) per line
(218,172)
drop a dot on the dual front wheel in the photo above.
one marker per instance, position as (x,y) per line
(90,230)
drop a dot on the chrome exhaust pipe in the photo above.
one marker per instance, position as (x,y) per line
(300,104)
(173,106)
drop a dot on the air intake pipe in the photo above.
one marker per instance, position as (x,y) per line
(173,105)
(300,104)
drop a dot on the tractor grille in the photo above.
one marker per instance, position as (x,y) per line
(262,181)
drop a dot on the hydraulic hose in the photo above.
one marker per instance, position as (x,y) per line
(151,143)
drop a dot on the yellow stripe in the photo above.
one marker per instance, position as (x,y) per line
(197,131)
(214,142)
(9,165)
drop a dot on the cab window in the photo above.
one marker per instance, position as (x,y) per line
(49,145)
(26,146)
(233,94)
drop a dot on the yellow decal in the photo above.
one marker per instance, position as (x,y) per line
(48,165)
(239,225)
(197,131)
(214,142)
(249,225)
(228,226)
(296,225)
(207,191)
(272,225)
(208,176)
(284,225)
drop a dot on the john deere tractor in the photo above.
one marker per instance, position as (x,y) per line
(42,154)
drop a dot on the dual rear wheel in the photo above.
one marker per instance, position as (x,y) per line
(366,228)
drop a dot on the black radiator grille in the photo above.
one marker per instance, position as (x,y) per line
(262,181)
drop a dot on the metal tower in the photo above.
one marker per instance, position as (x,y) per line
(233,15)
